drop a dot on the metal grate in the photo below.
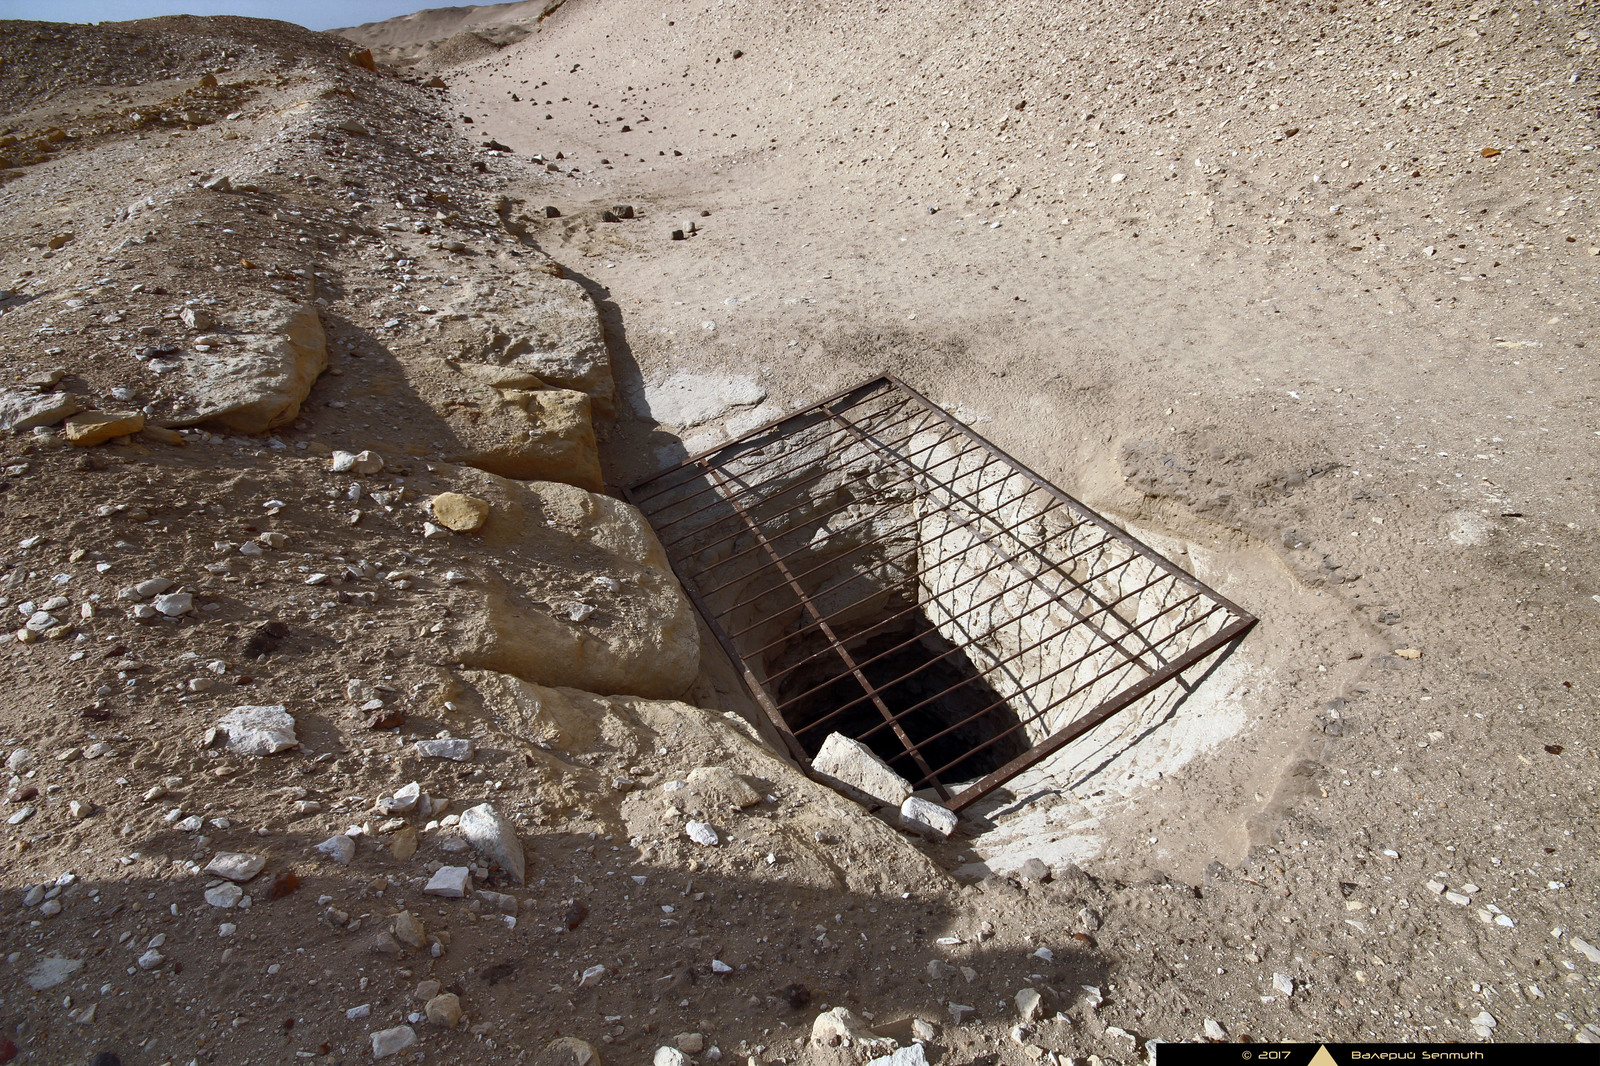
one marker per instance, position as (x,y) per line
(878,569)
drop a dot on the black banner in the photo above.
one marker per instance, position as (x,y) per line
(1377,1054)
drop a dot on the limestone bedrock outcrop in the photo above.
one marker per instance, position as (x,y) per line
(541,324)
(592,605)
(258,382)
(544,434)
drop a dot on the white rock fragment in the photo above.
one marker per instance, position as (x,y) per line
(340,848)
(224,895)
(702,833)
(928,819)
(591,976)
(452,882)
(1214,1030)
(174,604)
(670,1056)
(51,971)
(355,1014)
(235,865)
(854,769)
(1029,1004)
(259,730)
(151,959)
(387,1042)
(1584,948)
(495,838)
(1283,983)
(457,748)
(915,1055)
(365,462)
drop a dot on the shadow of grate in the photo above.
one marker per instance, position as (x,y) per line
(877,569)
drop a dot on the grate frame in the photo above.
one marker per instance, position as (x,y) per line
(737,502)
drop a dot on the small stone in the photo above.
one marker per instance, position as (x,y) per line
(701,833)
(1586,949)
(457,748)
(692,1043)
(21,761)
(569,1051)
(409,930)
(923,1030)
(1034,870)
(174,604)
(389,1042)
(591,976)
(841,1026)
(225,895)
(151,959)
(1457,898)
(340,848)
(960,1012)
(1029,1004)
(259,730)
(670,1056)
(197,318)
(96,427)
(1214,1030)
(495,838)
(404,844)
(453,882)
(236,865)
(366,462)
(1283,983)
(1484,1020)
(928,819)
(355,1014)
(404,799)
(500,901)
(444,1010)
(463,514)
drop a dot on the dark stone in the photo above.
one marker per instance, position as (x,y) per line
(623,211)
(101,1058)
(796,995)
(677,234)
(551,212)
(265,639)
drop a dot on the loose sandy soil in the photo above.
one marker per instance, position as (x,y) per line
(1302,294)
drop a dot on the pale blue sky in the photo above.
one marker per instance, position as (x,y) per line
(317,14)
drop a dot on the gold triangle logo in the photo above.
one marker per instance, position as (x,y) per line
(1322,1058)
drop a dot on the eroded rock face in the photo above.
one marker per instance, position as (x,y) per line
(258,383)
(593,605)
(539,434)
(540,324)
